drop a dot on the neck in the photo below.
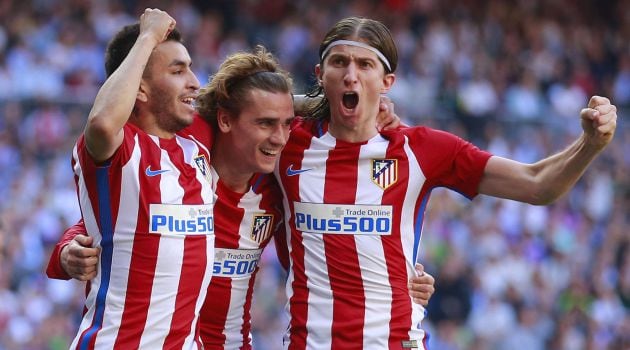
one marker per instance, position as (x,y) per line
(224,163)
(354,133)
(150,127)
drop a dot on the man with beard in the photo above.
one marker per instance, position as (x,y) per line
(145,196)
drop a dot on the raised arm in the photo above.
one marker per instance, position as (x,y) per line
(115,100)
(545,181)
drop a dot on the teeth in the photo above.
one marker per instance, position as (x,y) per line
(268,152)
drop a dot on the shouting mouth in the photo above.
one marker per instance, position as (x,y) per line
(350,100)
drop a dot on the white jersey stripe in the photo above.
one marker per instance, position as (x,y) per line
(372,257)
(320,300)
(123,244)
(410,243)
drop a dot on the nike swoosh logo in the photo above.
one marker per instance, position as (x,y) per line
(291,172)
(150,172)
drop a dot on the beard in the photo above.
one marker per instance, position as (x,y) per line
(164,108)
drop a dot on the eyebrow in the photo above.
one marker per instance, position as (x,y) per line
(356,57)
(177,62)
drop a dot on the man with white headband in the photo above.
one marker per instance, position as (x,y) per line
(356,196)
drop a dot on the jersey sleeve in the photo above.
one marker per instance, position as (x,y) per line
(449,161)
(200,130)
(120,156)
(54,269)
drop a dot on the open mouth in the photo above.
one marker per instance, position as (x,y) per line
(350,100)
(269,152)
(189,101)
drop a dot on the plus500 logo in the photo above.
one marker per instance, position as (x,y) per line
(231,268)
(347,224)
(181,219)
(171,224)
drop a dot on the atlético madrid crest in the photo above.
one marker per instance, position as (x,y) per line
(261,227)
(384,172)
(204,167)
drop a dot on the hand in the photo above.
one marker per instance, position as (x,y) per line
(79,259)
(599,121)
(386,118)
(157,23)
(422,286)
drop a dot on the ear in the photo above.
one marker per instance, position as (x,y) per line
(318,74)
(143,90)
(388,82)
(223,120)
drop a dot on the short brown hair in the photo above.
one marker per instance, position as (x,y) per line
(239,74)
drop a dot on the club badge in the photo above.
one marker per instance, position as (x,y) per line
(261,227)
(384,172)
(204,167)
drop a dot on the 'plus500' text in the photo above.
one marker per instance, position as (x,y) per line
(347,224)
(162,223)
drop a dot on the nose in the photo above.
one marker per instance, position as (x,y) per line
(193,82)
(350,76)
(280,135)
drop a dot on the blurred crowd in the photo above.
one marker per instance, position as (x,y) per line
(509,76)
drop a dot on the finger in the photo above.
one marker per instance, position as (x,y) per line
(87,262)
(419,269)
(421,295)
(607,128)
(82,252)
(597,100)
(84,240)
(85,277)
(90,270)
(422,299)
(589,113)
(606,109)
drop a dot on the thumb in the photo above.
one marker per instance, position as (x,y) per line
(419,269)
(85,241)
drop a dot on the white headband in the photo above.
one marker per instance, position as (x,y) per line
(359,44)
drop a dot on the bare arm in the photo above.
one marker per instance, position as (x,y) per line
(116,98)
(546,180)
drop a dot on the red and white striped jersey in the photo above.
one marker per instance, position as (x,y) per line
(353,231)
(244,224)
(150,209)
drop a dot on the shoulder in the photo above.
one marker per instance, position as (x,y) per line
(265,184)
(309,126)
(200,130)
(421,134)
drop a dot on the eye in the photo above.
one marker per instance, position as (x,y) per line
(266,123)
(337,61)
(366,64)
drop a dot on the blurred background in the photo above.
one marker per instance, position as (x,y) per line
(509,76)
